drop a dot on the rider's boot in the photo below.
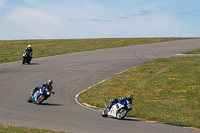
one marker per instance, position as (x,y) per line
(31,94)
(30,98)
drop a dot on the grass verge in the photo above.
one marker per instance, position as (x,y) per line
(14,129)
(165,90)
(193,52)
(12,50)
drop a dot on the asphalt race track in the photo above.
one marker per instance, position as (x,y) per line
(71,74)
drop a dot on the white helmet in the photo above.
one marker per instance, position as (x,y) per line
(29,46)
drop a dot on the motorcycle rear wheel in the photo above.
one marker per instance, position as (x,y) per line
(104,113)
(29,100)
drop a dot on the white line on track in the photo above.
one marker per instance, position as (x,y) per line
(76,97)
(188,54)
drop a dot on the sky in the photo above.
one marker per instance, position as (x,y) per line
(77,19)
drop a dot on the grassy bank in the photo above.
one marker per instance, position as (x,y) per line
(14,129)
(165,90)
(193,52)
(12,50)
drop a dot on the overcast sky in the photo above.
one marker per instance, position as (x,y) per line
(69,19)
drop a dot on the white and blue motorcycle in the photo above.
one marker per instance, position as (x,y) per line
(118,110)
(40,95)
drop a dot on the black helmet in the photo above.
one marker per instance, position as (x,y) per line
(130,97)
(50,82)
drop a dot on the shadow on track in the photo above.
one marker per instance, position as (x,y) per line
(34,64)
(49,104)
(128,118)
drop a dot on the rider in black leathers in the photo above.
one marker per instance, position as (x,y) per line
(29,51)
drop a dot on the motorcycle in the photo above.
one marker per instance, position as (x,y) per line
(118,110)
(26,58)
(40,95)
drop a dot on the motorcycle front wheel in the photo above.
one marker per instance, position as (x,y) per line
(121,113)
(40,99)
(29,60)
(23,61)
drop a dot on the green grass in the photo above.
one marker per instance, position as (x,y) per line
(12,50)
(193,52)
(14,129)
(165,90)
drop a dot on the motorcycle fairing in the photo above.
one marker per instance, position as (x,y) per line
(35,96)
(114,109)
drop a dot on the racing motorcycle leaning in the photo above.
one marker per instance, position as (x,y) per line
(26,57)
(118,110)
(40,95)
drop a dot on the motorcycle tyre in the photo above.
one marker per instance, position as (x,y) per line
(104,113)
(29,61)
(40,99)
(117,115)
(23,61)
(28,100)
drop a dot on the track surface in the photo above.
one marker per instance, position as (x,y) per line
(73,73)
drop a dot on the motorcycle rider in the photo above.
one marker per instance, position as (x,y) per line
(122,100)
(47,85)
(29,50)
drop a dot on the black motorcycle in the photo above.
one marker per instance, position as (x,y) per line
(26,58)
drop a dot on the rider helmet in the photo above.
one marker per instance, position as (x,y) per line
(50,82)
(29,46)
(130,97)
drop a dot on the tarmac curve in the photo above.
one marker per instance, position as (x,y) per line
(73,73)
